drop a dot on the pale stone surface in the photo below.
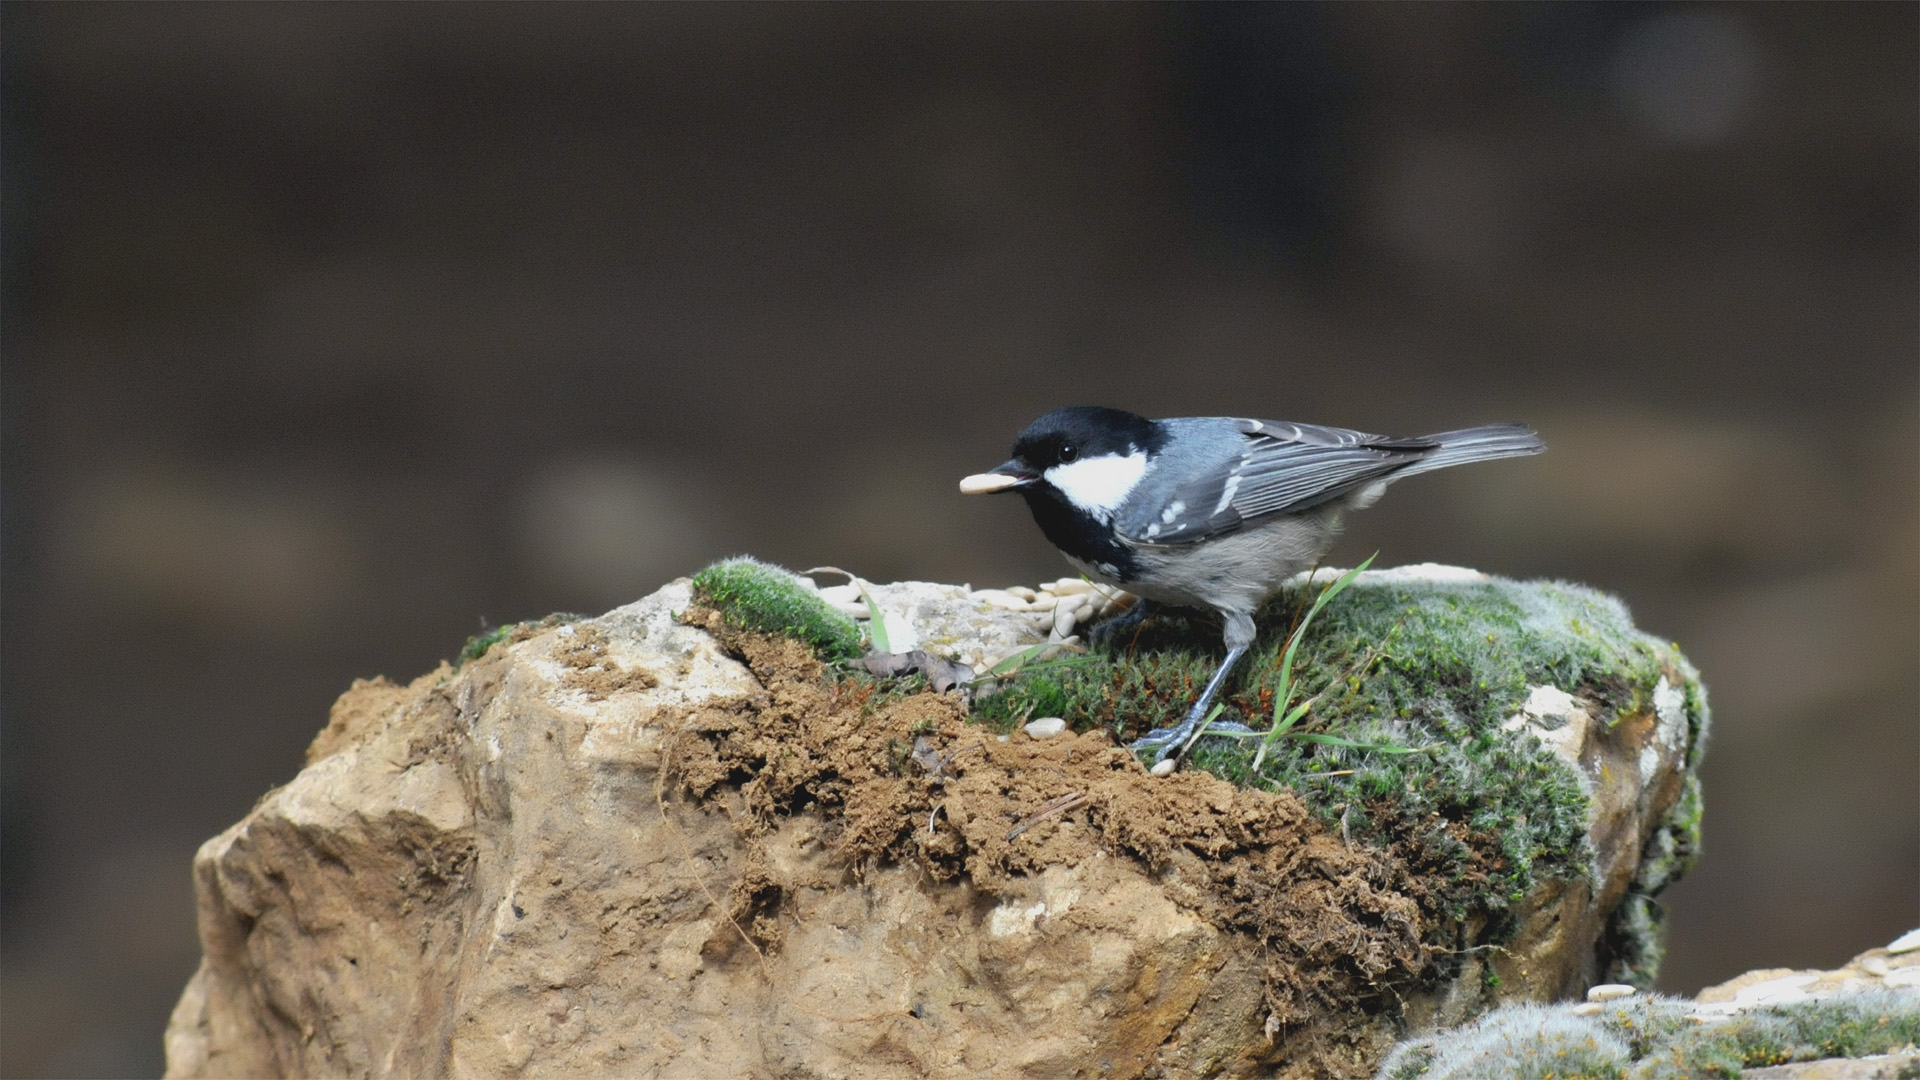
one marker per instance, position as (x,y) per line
(1412,574)
(1877,1067)
(1046,727)
(1560,721)
(1873,969)
(957,623)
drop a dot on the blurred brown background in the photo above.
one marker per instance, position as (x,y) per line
(333,333)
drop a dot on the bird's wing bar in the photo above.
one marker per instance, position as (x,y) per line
(1282,477)
(1284,467)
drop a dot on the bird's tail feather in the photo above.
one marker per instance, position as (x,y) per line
(1477,444)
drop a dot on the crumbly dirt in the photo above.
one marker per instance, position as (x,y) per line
(592,670)
(1336,925)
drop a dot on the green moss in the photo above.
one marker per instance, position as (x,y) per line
(1656,1038)
(767,599)
(1436,665)
(1844,1027)
(1634,942)
(477,645)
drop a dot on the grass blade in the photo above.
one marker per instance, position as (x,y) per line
(1349,744)
(1212,715)
(877,619)
(1285,713)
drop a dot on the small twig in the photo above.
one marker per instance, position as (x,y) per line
(938,764)
(1058,806)
(953,755)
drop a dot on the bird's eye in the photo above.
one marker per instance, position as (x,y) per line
(1068,452)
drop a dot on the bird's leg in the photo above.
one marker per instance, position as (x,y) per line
(1110,632)
(1166,741)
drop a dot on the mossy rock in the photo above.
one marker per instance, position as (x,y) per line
(1415,674)
(1432,664)
(480,644)
(767,599)
(1658,1038)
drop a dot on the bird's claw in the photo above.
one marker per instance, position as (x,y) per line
(1166,740)
(1109,631)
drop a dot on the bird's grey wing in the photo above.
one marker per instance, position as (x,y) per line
(1280,468)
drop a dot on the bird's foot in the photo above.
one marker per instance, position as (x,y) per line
(1166,741)
(1114,629)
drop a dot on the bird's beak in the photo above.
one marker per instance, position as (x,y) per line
(1001,478)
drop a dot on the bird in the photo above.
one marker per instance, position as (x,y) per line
(1210,512)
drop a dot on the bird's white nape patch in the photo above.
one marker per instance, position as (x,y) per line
(1100,484)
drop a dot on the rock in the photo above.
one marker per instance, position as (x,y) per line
(1648,1035)
(949,620)
(1046,727)
(1873,1067)
(1557,719)
(1603,832)
(844,597)
(633,845)
(1871,970)
(1756,1019)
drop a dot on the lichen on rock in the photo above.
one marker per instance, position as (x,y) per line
(1654,1037)
(684,838)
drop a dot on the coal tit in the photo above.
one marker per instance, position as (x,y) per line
(1211,512)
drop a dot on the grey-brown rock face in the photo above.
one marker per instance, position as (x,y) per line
(613,847)
(1858,1022)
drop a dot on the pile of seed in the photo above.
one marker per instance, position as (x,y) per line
(1057,607)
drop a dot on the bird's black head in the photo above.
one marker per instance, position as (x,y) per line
(1074,466)
(1078,432)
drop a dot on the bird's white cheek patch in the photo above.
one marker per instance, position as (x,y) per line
(1099,484)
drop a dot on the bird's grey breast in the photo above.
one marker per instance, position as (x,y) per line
(1240,570)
